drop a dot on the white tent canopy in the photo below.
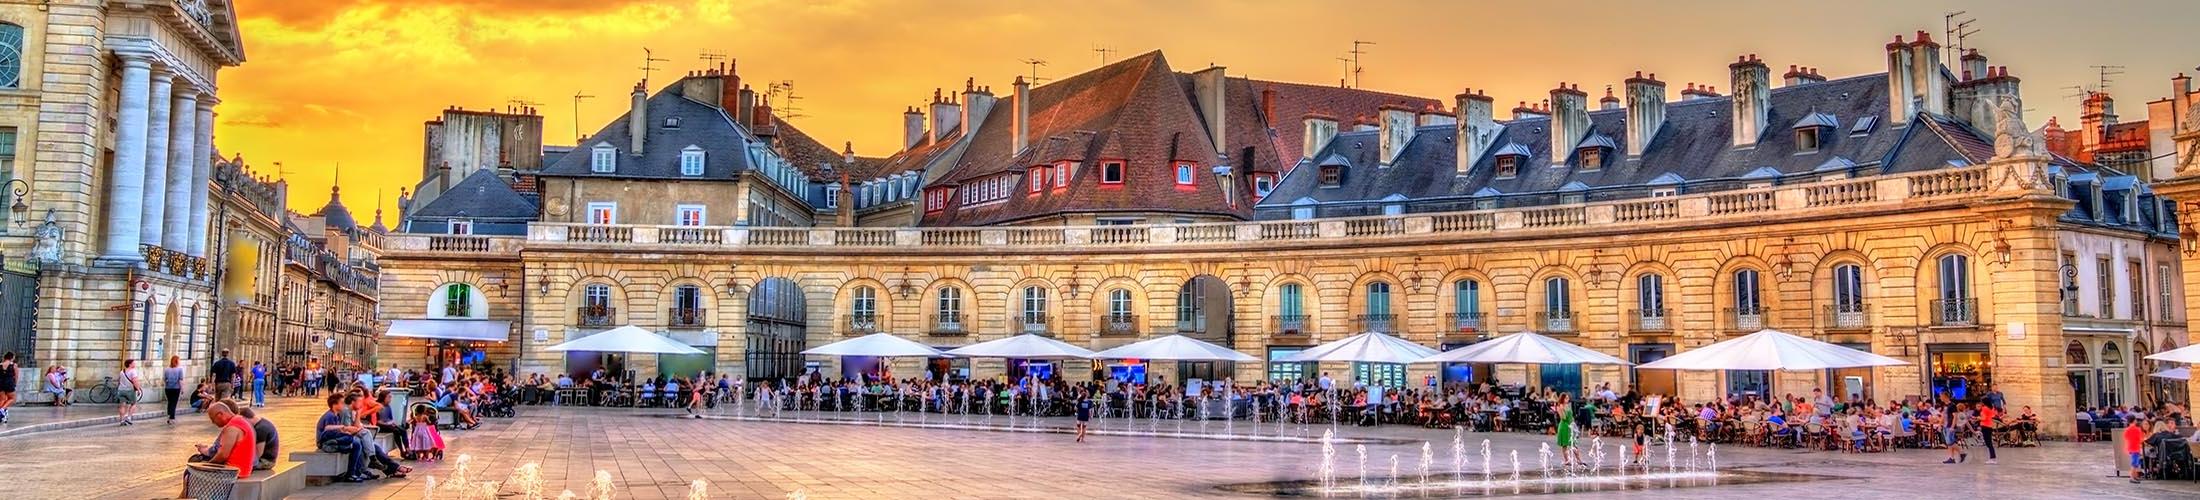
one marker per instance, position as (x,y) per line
(2178,373)
(1026,346)
(1174,348)
(2186,354)
(885,345)
(1524,347)
(628,339)
(1771,350)
(1370,347)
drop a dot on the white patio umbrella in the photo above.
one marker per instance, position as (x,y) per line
(1370,347)
(1524,347)
(1771,350)
(1174,348)
(2178,373)
(2186,354)
(884,345)
(627,339)
(1026,346)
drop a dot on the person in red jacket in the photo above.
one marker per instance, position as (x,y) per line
(2135,438)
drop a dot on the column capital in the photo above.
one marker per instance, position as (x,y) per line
(207,100)
(163,73)
(185,91)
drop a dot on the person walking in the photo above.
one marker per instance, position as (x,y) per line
(259,384)
(2135,437)
(126,391)
(225,375)
(1952,433)
(171,385)
(9,375)
(1988,417)
(1567,453)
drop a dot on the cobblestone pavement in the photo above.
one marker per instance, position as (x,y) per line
(652,456)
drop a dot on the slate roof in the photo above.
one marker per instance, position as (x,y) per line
(701,124)
(482,195)
(1296,100)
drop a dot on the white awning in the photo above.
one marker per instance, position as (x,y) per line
(2083,330)
(452,329)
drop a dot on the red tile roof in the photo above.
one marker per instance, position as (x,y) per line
(1296,100)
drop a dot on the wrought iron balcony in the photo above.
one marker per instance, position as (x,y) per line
(1465,322)
(1847,317)
(1118,324)
(684,317)
(1746,319)
(1033,322)
(948,324)
(597,315)
(857,325)
(1375,323)
(1649,321)
(1556,322)
(1292,325)
(1955,312)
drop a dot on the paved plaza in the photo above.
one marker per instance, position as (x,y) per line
(650,455)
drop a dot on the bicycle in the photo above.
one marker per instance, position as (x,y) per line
(103,393)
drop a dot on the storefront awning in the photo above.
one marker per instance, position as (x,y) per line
(452,329)
(2081,330)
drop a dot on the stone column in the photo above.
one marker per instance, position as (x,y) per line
(125,197)
(182,147)
(2185,190)
(156,157)
(202,172)
(2024,262)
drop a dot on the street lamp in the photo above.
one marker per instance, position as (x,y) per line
(20,189)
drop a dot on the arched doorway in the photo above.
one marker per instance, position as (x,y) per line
(1204,311)
(777,328)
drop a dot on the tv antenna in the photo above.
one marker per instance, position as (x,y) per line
(649,64)
(1356,68)
(1104,52)
(710,59)
(577,97)
(1955,27)
(1035,64)
(2108,73)
(784,91)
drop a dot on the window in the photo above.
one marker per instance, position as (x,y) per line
(1806,140)
(1592,158)
(1038,178)
(1557,299)
(1663,192)
(1332,175)
(1747,300)
(1111,172)
(1394,209)
(863,302)
(603,212)
(462,226)
(596,296)
(688,215)
(1290,302)
(1485,204)
(1378,300)
(1282,372)
(1061,174)
(832,196)
(1035,307)
(2164,283)
(691,161)
(458,300)
(7,152)
(1263,184)
(1466,297)
(1119,303)
(11,56)
(603,159)
(1848,288)
(687,297)
(1184,174)
(1572,199)
(2105,279)
(1955,304)
(950,305)
(2137,290)
(1508,166)
(1383,374)
(1650,296)
(2075,355)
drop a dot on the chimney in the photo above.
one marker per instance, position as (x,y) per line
(1974,65)
(1268,105)
(637,120)
(1210,90)
(1569,121)
(745,108)
(912,128)
(1981,94)
(765,126)
(729,87)
(1645,112)
(1319,130)
(977,101)
(1609,102)
(1397,126)
(1022,104)
(1930,80)
(1694,92)
(1435,116)
(1477,128)
(1524,111)
(1752,99)
(2100,114)
(1810,75)
(2181,101)
(944,115)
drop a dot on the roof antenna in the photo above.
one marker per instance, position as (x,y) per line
(649,64)
(577,96)
(1035,64)
(1356,69)
(1104,52)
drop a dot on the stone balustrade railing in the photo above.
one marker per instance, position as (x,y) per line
(1844,196)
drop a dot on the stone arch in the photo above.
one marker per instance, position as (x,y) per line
(1447,300)
(848,321)
(777,327)
(1823,290)
(1102,305)
(1630,288)
(1930,289)
(1539,306)
(1023,319)
(1357,302)
(963,319)
(439,300)
(1726,288)
(1281,320)
(668,297)
(613,310)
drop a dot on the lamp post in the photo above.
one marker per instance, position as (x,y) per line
(19,209)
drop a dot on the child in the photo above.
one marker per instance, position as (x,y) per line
(425,441)
(1640,437)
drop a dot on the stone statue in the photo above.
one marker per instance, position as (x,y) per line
(2010,137)
(47,246)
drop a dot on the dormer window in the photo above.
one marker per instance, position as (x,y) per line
(691,161)
(1508,166)
(1332,175)
(1061,174)
(673,122)
(1806,140)
(1111,172)
(603,159)
(832,196)
(1037,178)
(462,226)
(1184,173)
(1485,204)
(1263,184)
(1592,158)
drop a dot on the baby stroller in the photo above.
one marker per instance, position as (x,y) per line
(498,406)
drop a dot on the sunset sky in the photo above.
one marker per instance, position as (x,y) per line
(349,82)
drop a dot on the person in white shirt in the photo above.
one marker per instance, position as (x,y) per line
(1328,383)
(450,373)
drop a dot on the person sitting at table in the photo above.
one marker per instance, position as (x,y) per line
(671,392)
(2027,426)
(649,391)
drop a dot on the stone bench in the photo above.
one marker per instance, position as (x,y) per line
(320,466)
(285,479)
